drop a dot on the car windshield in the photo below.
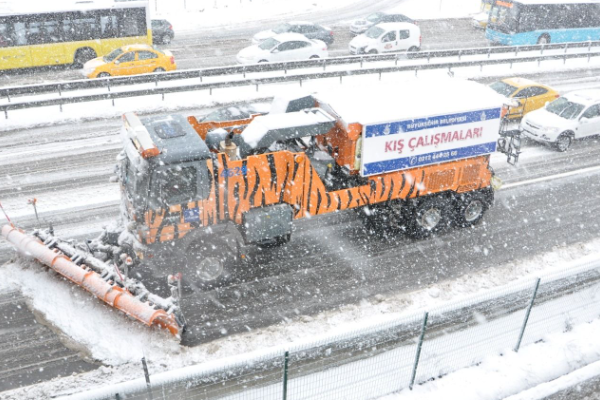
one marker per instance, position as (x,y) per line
(268,44)
(374,17)
(282,28)
(227,114)
(112,55)
(565,108)
(374,32)
(503,88)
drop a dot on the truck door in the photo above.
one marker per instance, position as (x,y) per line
(590,122)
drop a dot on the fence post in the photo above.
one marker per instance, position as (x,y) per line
(286,359)
(537,285)
(418,355)
(147,375)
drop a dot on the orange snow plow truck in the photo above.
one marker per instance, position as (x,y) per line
(410,159)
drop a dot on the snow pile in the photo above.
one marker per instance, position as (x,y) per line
(498,377)
(119,343)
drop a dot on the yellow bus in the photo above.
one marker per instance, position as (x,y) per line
(71,35)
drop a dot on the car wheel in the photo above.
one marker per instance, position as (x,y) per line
(563,142)
(372,51)
(314,57)
(544,39)
(159,69)
(262,61)
(411,52)
(166,39)
(103,75)
(82,56)
(470,208)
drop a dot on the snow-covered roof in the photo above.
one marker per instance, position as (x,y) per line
(286,37)
(555,1)
(415,98)
(585,97)
(45,6)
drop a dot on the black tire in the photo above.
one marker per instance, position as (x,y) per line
(159,69)
(544,39)
(470,208)
(428,216)
(103,75)
(262,61)
(373,51)
(563,142)
(411,52)
(82,56)
(314,57)
(207,262)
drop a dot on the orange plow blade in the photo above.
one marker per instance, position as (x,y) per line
(90,280)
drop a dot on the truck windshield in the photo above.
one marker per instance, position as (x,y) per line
(374,32)
(503,88)
(565,108)
(504,17)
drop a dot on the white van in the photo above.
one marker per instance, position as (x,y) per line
(387,37)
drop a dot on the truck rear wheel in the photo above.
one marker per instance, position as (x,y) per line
(471,208)
(427,217)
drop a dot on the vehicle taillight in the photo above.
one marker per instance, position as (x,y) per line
(557,96)
(330,33)
(420,40)
(171,27)
(172,60)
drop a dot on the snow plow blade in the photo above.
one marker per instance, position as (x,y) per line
(105,289)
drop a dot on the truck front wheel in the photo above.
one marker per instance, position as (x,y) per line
(207,261)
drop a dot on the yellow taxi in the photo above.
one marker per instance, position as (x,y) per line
(528,95)
(130,60)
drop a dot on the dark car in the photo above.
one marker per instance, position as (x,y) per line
(162,31)
(308,29)
(361,25)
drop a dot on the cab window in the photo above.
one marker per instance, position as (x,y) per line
(389,37)
(592,112)
(146,55)
(538,91)
(177,185)
(127,57)
(405,34)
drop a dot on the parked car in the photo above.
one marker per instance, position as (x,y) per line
(361,25)
(162,31)
(283,47)
(308,29)
(572,116)
(529,95)
(130,60)
(387,37)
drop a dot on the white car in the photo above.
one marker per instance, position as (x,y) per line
(573,116)
(387,37)
(284,47)
(307,29)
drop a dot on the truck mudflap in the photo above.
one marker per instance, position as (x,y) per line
(103,280)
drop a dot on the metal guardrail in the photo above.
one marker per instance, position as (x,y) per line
(60,101)
(373,361)
(61,87)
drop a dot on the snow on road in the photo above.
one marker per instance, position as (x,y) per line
(120,343)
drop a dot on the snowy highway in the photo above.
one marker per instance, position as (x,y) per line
(69,176)
(549,202)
